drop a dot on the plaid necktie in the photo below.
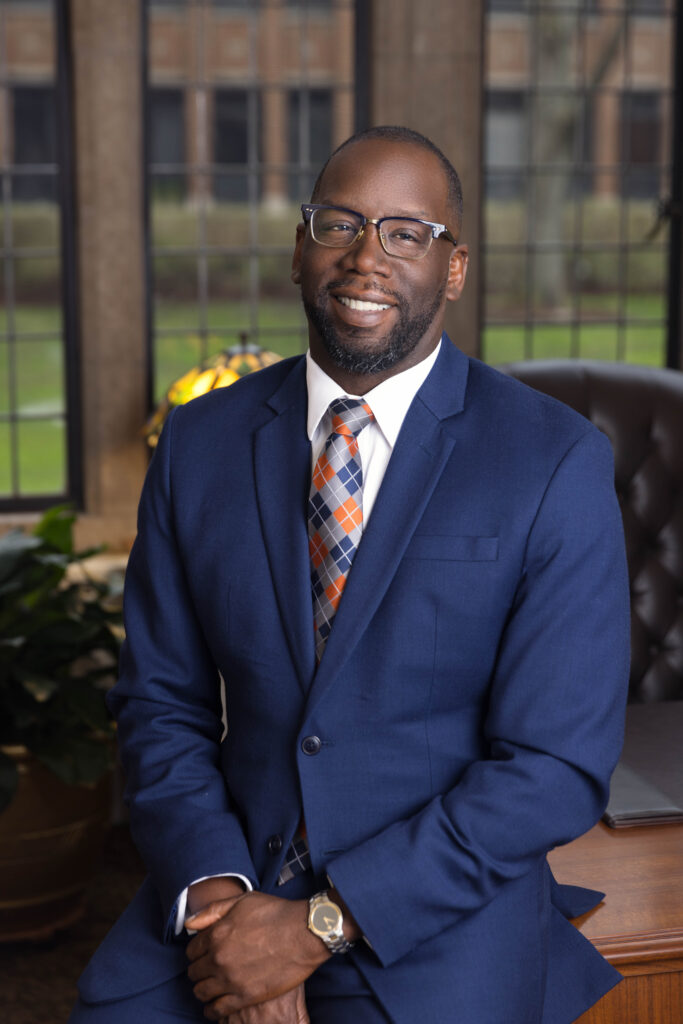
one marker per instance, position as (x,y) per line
(335,512)
(335,527)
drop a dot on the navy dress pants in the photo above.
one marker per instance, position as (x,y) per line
(173,1002)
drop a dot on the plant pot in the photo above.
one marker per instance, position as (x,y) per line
(51,837)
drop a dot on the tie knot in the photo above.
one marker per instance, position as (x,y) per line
(349,416)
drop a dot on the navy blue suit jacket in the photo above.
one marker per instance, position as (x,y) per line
(469,702)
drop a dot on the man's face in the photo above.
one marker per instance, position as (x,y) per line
(400,319)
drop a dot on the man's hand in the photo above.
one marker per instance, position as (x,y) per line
(287,1009)
(251,949)
(211,890)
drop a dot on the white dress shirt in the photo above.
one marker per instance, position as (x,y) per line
(389,402)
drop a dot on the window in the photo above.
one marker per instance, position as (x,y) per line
(167,140)
(246,101)
(39,438)
(310,137)
(505,141)
(35,142)
(641,132)
(521,5)
(507,5)
(575,160)
(237,122)
(649,6)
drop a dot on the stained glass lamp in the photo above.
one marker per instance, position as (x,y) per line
(215,372)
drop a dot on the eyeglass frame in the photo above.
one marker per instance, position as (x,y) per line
(438,230)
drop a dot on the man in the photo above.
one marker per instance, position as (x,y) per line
(418,716)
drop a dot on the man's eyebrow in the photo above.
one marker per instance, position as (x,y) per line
(415,214)
(420,214)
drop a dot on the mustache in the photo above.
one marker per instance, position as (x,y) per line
(369,286)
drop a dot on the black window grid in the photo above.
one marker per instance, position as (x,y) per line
(296,173)
(17,497)
(583,172)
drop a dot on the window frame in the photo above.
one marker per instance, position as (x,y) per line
(67,252)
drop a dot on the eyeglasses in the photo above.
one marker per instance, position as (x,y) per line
(405,237)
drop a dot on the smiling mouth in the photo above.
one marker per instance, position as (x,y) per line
(361,305)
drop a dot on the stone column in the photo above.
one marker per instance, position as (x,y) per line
(606,139)
(342,98)
(199,101)
(199,120)
(106,44)
(272,61)
(275,154)
(427,73)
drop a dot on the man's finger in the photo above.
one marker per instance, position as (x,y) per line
(201,968)
(301,1008)
(282,1010)
(231,1003)
(201,943)
(226,1006)
(197,946)
(209,989)
(211,913)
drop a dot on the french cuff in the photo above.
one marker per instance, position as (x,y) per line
(365,940)
(181,904)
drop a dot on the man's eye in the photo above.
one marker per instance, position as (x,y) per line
(339,227)
(405,235)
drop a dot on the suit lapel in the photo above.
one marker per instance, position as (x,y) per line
(282,457)
(421,452)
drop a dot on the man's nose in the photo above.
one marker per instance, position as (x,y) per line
(366,254)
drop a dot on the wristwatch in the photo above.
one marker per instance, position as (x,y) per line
(325,920)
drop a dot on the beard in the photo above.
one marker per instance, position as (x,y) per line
(352,350)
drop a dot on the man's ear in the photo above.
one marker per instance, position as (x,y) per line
(457,272)
(296,258)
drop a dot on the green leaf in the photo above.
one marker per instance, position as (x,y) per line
(41,688)
(88,704)
(76,760)
(12,641)
(14,546)
(80,556)
(68,633)
(56,528)
(9,779)
(53,558)
(59,641)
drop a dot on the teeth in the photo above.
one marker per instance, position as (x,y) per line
(367,307)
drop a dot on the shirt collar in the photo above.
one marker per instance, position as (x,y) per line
(389,401)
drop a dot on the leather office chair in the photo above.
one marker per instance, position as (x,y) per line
(641,411)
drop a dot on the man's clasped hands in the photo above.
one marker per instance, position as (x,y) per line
(251,955)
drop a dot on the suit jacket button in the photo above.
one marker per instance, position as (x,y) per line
(274,844)
(311,745)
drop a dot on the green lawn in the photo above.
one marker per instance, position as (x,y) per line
(42,457)
(278,321)
(39,383)
(278,327)
(643,343)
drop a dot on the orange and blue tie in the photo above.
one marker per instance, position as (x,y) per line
(335,527)
(335,512)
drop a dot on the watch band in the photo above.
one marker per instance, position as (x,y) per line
(326,920)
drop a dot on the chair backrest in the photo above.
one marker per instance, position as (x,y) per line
(640,409)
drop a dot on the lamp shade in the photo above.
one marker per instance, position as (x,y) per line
(217,371)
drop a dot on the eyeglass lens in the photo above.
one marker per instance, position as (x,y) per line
(339,228)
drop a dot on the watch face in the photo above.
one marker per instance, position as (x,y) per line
(325,918)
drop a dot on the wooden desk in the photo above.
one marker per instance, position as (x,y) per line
(639,927)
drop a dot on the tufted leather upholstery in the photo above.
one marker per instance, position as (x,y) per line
(641,411)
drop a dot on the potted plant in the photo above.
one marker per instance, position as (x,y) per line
(60,633)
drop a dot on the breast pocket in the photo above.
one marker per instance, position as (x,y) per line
(453,549)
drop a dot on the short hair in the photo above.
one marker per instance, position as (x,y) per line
(399,133)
